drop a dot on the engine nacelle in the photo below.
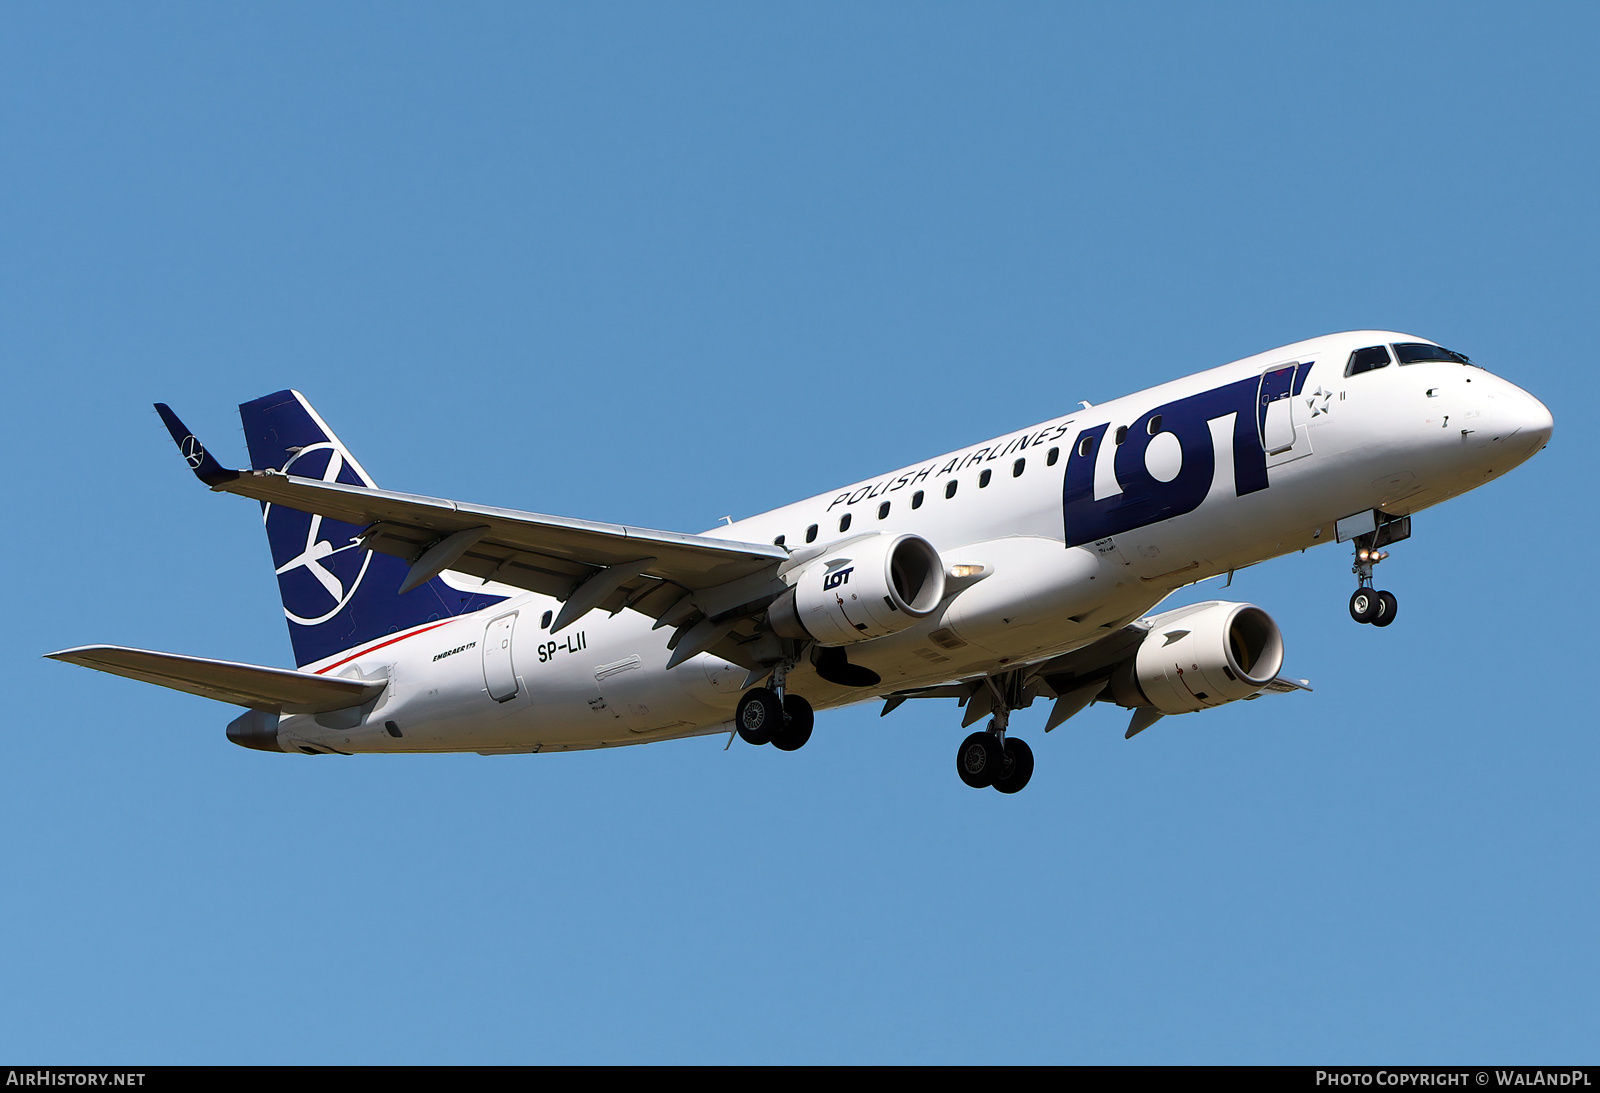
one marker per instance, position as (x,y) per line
(867,589)
(1201,656)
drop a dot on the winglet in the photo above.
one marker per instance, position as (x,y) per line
(205,468)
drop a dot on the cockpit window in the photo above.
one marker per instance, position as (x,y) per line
(1416,352)
(1365,360)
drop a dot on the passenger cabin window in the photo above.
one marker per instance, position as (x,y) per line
(811,534)
(883,510)
(844,522)
(1085,446)
(1017,468)
(1365,360)
(950,489)
(1155,425)
(916,500)
(544,623)
(1417,352)
(983,479)
(1050,460)
(1122,433)
(778,541)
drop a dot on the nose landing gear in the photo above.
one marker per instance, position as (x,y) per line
(1368,531)
(1367,604)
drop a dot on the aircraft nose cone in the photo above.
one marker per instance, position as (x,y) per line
(1519,422)
(1521,415)
(1537,420)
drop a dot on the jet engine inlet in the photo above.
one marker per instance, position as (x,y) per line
(1202,656)
(868,589)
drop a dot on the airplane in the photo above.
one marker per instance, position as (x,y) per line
(1017,569)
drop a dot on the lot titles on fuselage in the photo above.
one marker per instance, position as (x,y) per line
(1143,498)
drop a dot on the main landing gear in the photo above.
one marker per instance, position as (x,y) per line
(989,758)
(1368,604)
(770,716)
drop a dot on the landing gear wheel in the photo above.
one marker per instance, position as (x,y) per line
(1365,605)
(979,760)
(798,718)
(758,716)
(1388,606)
(1018,766)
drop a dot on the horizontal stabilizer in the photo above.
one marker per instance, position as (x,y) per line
(274,690)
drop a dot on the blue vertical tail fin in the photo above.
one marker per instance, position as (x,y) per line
(336,595)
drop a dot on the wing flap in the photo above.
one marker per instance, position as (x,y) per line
(274,690)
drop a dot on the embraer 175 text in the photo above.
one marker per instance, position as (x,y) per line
(1017,569)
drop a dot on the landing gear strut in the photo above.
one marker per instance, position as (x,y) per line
(770,716)
(990,758)
(1368,604)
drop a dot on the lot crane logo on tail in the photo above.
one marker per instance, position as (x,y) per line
(334,568)
(336,594)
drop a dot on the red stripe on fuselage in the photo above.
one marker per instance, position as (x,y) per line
(381,644)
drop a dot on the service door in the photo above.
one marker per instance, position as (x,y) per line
(499,674)
(1281,417)
(1275,408)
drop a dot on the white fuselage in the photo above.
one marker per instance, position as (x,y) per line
(1397,439)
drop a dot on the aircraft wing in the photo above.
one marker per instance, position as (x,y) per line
(525,549)
(679,580)
(552,555)
(275,690)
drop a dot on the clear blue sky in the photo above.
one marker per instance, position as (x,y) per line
(662,263)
